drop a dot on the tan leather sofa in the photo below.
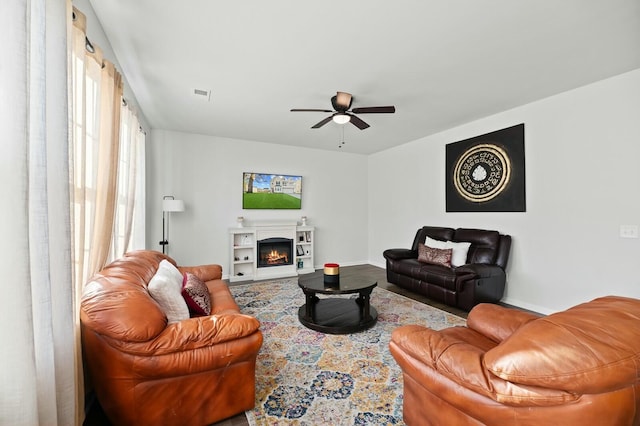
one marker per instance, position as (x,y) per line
(507,367)
(148,372)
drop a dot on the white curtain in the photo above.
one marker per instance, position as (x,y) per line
(96,88)
(139,233)
(128,229)
(37,353)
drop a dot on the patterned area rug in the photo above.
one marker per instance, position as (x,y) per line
(304,377)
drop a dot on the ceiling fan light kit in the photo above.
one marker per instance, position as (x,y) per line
(342,113)
(341,118)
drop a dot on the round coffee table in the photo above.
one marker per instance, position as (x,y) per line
(334,315)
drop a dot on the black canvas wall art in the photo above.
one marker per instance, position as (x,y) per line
(487,173)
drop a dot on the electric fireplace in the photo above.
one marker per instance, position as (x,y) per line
(275,252)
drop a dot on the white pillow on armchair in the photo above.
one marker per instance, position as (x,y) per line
(166,289)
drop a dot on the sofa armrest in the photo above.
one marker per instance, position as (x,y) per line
(193,333)
(222,301)
(400,253)
(497,322)
(204,272)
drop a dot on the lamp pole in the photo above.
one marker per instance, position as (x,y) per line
(164,241)
(169,204)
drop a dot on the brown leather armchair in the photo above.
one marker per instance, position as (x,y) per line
(508,367)
(148,372)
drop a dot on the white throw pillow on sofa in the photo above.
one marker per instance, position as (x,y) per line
(430,242)
(166,289)
(460,250)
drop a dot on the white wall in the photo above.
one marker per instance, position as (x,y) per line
(206,172)
(582,153)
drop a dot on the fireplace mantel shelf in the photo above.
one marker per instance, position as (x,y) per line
(270,223)
(243,260)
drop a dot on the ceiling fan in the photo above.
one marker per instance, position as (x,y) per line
(342,113)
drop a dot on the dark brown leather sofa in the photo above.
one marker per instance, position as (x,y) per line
(507,367)
(481,279)
(146,371)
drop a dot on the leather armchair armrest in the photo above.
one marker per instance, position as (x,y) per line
(204,272)
(451,354)
(400,253)
(193,333)
(497,322)
(184,348)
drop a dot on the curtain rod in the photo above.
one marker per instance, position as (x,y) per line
(89,46)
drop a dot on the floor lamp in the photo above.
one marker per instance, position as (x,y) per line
(169,205)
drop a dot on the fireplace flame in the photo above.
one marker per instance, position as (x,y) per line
(275,257)
(275,252)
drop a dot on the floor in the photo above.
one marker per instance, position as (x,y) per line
(96,417)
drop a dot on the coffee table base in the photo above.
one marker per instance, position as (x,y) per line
(337,316)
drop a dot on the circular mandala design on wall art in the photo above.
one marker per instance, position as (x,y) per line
(482,172)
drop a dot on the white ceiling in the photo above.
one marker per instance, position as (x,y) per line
(442,63)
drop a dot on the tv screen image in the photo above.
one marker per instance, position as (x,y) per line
(271,191)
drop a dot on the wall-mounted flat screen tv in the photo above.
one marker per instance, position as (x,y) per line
(271,191)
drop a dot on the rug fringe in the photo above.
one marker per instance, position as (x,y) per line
(251,419)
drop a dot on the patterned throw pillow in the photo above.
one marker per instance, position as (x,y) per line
(434,256)
(459,250)
(196,294)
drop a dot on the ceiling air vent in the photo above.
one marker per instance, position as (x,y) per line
(204,93)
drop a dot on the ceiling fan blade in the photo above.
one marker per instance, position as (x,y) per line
(374,110)
(356,121)
(310,110)
(322,123)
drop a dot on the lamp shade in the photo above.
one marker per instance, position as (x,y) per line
(172,205)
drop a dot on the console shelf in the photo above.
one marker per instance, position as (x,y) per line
(243,252)
(304,249)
